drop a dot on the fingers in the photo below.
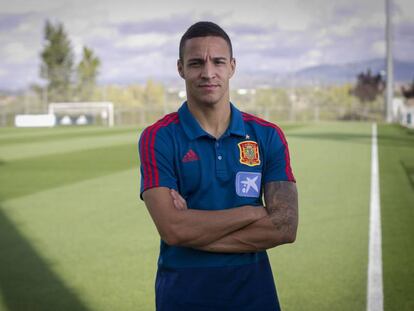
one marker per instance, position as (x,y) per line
(177,196)
(181,199)
(178,205)
(178,200)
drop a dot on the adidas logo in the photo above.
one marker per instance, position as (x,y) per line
(190,156)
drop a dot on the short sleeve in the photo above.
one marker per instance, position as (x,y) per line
(157,160)
(277,166)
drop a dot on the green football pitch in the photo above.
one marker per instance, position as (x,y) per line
(74,234)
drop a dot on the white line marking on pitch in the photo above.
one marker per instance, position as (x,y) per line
(375,296)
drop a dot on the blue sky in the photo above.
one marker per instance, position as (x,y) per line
(139,39)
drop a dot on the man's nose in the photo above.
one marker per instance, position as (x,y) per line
(208,71)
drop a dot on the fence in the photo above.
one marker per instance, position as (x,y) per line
(142,116)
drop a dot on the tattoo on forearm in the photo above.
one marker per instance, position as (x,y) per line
(281,200)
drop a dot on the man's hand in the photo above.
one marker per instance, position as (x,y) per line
(178,200)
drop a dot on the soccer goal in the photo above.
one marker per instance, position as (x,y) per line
(83,113)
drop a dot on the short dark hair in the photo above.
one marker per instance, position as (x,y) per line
(204,29)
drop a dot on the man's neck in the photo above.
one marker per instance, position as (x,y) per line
(214,119)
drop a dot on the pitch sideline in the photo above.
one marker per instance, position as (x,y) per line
(375,296)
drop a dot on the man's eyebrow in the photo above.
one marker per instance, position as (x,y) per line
(220,58)
(196,59)
(200,59)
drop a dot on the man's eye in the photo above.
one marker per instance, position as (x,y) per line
(194,64)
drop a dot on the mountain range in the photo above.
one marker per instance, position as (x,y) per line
(342,73)
(326,74)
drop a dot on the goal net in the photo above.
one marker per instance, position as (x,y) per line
(83,113)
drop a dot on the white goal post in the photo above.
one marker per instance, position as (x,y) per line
(103,109)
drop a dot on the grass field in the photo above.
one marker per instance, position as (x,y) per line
(75,236)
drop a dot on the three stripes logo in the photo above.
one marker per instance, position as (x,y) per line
(190,156)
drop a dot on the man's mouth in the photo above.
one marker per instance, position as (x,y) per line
(209,86)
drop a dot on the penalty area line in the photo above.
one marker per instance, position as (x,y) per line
(375,296)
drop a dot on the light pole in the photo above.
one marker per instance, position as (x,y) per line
(390,65)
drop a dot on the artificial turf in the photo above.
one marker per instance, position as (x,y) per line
(75,236)
(396,156)
(325,269)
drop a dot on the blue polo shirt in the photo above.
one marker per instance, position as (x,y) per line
(213,174)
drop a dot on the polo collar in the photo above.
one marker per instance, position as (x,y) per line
(236,122)
(193,129)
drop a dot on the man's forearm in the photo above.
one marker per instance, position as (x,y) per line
(277,226)
(196,228)
(181,226)
(257,236)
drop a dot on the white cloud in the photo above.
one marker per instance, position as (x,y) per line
(101,32)
(24,6)
(324,42)
(378,48)
(3,72)
(285,10)
(77,46)
(141,40)
(347,28)
(17,53)
(26,27)
(405,9)
(311,58)
(277,35)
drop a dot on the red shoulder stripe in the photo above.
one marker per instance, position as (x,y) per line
(288,169)
(151,177)
(174,118)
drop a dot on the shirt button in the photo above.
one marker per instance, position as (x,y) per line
(219,157)
(217,144)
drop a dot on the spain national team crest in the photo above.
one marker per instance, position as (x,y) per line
(249,153)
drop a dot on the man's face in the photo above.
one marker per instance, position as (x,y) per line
(206,68)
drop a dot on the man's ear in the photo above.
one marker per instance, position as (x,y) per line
(233,67)
(180,68)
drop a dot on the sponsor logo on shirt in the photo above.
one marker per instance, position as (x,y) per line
(249,153)
(190,156)
(248,184)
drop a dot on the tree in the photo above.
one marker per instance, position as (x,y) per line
(408,92)
(57,62)
(87,72)
(368,86)
(154,93)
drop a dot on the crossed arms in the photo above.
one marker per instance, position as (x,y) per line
(235,230)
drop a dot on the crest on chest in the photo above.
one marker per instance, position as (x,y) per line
(249,153)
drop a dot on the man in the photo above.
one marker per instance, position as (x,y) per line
(204,170)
